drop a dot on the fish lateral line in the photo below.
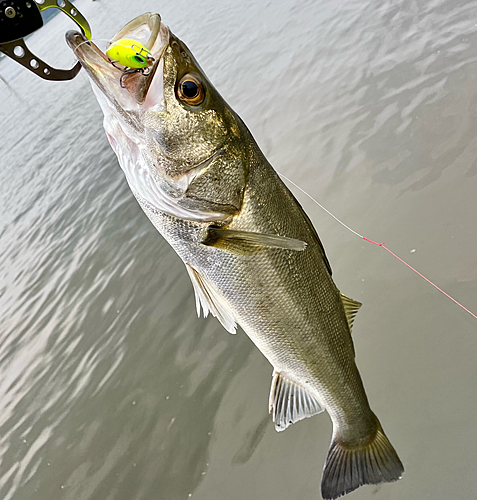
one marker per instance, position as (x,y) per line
(382,245)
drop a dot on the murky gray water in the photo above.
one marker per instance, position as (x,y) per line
(112,389)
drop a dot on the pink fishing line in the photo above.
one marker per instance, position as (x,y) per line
(382,245)
(421,275)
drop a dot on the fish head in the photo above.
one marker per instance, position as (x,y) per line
(182,148)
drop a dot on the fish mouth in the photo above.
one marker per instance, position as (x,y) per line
(128,88)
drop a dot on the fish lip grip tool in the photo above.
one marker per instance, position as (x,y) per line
(19,18)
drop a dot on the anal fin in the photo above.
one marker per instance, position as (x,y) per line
(289,402)
(211,300)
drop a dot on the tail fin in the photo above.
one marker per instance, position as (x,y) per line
(347,468)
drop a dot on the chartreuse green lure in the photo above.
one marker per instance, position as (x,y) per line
(131,54)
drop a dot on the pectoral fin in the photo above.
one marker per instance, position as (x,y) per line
(246,241)
(211,300)
(351,308)
(290,403)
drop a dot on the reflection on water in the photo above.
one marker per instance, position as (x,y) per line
(111,388)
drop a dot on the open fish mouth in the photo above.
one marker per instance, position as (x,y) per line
(146,29)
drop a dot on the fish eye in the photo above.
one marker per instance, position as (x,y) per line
(190,90)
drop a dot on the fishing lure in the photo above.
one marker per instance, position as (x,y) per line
(130,56)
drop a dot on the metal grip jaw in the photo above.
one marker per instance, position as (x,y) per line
(19,18)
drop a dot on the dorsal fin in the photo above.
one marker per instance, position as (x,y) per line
(289,402)
(211,300)
(351,308)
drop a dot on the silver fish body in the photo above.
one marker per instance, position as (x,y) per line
(253,255)
(285,300)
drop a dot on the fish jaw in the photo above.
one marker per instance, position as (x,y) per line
(130,91)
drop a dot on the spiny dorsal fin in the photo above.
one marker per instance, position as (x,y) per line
(351,308)
(243,240)
(211,300)
(289,402)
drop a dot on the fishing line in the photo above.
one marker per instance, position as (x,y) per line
(92,40)
(382,245)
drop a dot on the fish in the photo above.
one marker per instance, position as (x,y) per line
(252,254)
